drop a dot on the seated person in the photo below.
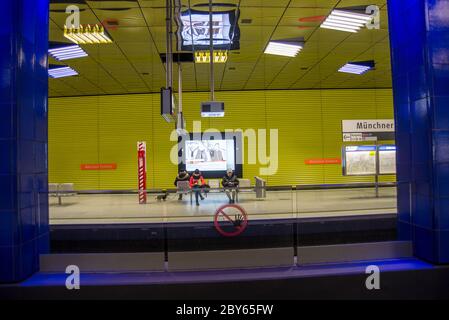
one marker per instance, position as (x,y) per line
(182,176)
(197,183)
(230,183)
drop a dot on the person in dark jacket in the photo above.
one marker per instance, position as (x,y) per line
(182,176)
(196,184)
(230,182)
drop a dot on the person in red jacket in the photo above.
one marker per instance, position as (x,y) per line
(196,183)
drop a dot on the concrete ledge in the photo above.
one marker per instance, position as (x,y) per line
(229,259)
(103,262)
(226,259)
(354,252)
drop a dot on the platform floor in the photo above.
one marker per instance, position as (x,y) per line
(124,208)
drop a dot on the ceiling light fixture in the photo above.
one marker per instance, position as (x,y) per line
(347,21)
(357,67)
(284,48)
(67,52)
(87,35)
(61,71)
(220,56)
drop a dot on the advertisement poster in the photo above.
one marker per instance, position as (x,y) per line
(387,159)
(360,160)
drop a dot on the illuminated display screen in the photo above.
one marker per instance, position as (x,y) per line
(195,32)
(211,155)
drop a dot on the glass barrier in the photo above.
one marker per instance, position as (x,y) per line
(253,231)
(228,228)
(108,207)
(346,214)
(104,221)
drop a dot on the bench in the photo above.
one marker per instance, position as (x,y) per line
(183,187)
(243,183)
(244,186)
(61,190)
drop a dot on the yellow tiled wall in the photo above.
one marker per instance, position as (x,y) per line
(105,129)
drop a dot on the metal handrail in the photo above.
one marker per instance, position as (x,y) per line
(267,188)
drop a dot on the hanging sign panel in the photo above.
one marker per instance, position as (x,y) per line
(368,130)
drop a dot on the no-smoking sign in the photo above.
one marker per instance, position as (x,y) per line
(230,220)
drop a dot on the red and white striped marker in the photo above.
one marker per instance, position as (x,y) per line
(142,167)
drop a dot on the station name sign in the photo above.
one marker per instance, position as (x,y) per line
(353,126)
(368,130)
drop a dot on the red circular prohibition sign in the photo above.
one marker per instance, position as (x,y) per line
(239,223)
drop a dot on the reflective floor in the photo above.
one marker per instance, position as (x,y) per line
(124,208)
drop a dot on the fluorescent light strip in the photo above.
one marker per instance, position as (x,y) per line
(63,75)
(87,35)
(61,49)
(345,21)
(336,25)
(280,50)
(283,49)
(62,72)
(352,15)
(353,72)
(354,68)
(70,56)
(220,56)
(337,28)
(66,53)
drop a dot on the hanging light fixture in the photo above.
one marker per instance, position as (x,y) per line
(346,20)
(360,67)
(203,56)
(87,34)
(67,52)
(285,47)
(61,72)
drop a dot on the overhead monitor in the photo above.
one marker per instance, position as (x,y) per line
(212,109)
(194,32)
(166,104)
